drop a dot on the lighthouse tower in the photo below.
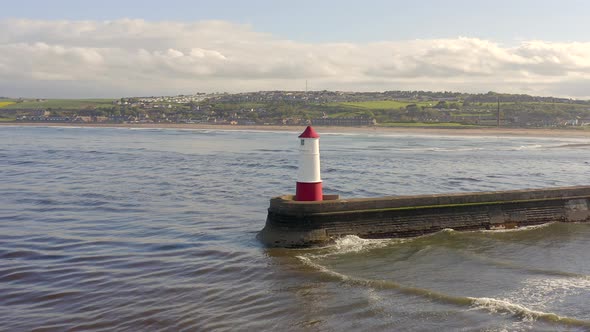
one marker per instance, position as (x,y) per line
(309,183)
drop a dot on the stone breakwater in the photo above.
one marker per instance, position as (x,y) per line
(302,224)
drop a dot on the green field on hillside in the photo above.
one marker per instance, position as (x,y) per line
(348,114)
(532,104)
(381,104)
(473,114)
(59,104)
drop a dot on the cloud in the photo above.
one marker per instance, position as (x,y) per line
(137,57)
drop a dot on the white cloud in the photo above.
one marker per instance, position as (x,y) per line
(137,57)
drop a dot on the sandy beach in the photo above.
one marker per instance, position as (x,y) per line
(492,131)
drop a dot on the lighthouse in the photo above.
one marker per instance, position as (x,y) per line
(309,182)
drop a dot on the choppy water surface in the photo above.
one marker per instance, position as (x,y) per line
(129,230)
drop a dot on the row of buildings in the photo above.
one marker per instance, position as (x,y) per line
(44,116)
(237,118)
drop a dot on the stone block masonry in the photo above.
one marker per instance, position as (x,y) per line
(293,223)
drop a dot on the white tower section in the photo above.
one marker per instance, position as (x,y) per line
(309,160)
(309,181)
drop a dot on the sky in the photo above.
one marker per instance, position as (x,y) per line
(84,49)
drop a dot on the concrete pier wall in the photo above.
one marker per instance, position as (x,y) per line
(299,224)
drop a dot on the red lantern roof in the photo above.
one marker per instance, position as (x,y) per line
(309,133)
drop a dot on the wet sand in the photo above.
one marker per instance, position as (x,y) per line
(492,131)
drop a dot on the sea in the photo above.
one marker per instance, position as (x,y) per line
(126,229)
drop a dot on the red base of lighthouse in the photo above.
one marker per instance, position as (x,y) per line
(309,191)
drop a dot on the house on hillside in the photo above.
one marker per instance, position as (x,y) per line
(36,113)
(82,119)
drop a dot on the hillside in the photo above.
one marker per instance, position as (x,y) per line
(390,108)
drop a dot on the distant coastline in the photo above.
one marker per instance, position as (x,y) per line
(491,131)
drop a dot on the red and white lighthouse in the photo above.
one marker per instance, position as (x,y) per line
(309,182)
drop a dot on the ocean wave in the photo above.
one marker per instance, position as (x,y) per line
(353,244)
(574,145)
(516,229)
(491,305)
(527,147)
(541,291)
(526,314)
(550,146)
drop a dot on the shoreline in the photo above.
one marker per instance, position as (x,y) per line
(492,131)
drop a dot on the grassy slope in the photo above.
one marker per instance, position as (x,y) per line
(380,104)
(60,103)
(531,105)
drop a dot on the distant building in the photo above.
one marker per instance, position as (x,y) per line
(120,118)
(32,113)
(82,119)
(57,119)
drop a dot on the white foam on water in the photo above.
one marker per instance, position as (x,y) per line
(528,147)
(353,243)
(307,261)
(538,292)
(543,291)
(517,229)
(506,307)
